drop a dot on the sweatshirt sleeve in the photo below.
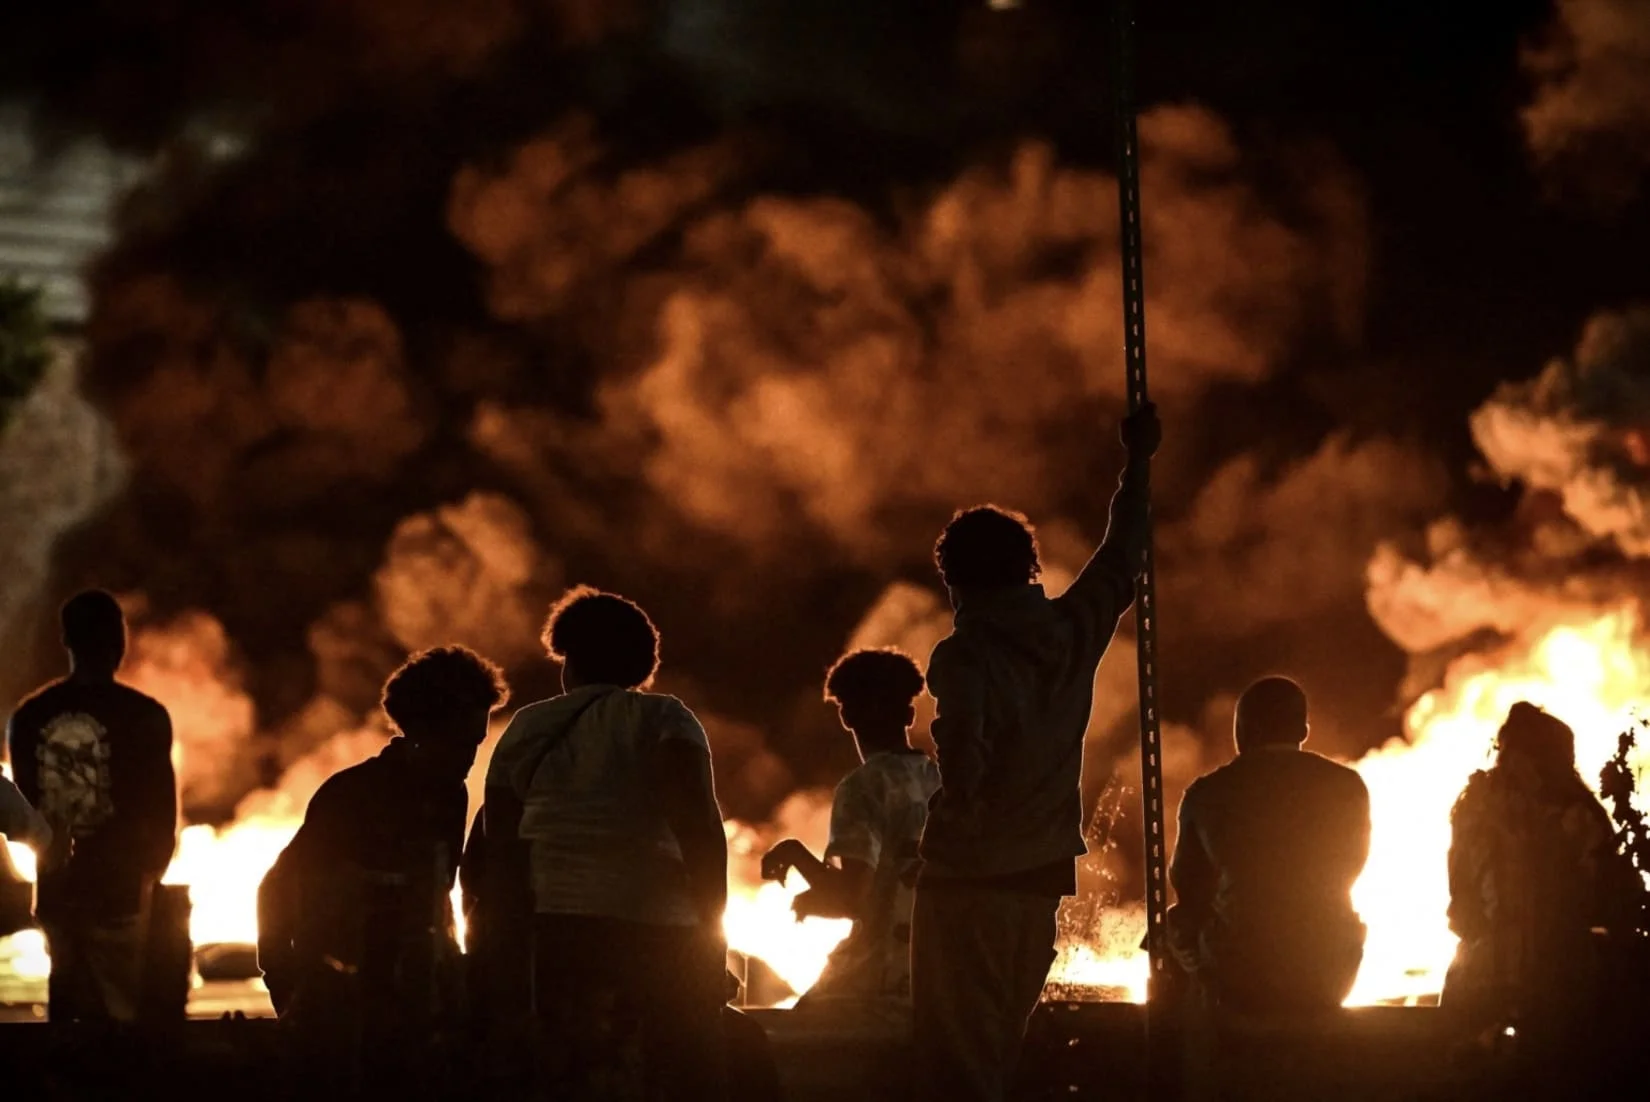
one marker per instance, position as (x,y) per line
(959,721)
(1105,588)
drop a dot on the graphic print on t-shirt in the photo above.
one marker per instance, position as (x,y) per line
(73,755)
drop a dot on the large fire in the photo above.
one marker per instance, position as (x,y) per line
(1591,674)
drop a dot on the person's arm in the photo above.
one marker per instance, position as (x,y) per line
(840,893)
(682,782)
(472,868)
(25,769)
(19,821)
(319,845)
(1354,853)
(959,730)
(842,882)
(1104,588)
(1466,862)
(154,796)
(1192,871)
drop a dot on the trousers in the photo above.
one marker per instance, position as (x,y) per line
(979,959)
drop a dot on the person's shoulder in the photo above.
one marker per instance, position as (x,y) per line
(674,718)
(348,781)
(141,703)
(529,715)
(950,655)
(1337,772)
(42,701)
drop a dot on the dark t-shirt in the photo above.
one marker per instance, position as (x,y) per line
(1270,847)
(375,819)
(95,758)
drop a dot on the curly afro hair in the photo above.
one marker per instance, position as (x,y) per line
(605,638)
(885,677)
(436,684)
(987,547)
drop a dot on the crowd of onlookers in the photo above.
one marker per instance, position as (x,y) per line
(594,876)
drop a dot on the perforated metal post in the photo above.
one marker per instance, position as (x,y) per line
(1145,599)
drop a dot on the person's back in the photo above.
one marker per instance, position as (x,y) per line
(95,759)
(1544,905)
(1014,687)
(1032,662)
(599,840)
(1534,871)
(610,788)
(1271,845)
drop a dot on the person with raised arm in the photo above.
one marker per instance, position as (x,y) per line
(1014,684)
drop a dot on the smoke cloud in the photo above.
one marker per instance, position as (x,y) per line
(414,348)
(1575,546)
(1589,121)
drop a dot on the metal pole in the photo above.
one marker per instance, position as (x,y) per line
(1145,593)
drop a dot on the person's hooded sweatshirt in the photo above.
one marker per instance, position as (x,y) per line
(1014,684)
(598,840)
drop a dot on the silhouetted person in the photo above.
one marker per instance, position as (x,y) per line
(1536,884)
(94,757)
(1014,682)
(355,933)
(1270,846)
(877,816)
(611,787)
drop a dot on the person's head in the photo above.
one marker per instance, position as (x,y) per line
(987,548)
(1542,741)
(874,692)
(601,639)
(440,700)
(94,632)
(1271,712)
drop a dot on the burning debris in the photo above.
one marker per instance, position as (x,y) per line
(1547,608)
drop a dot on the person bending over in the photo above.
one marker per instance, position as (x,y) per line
(354,925)
(877,816)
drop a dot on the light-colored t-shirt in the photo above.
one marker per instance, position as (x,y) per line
(599,842)
(877,818)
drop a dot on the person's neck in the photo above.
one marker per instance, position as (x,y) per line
(1269,747)
(91,672)
(881,742)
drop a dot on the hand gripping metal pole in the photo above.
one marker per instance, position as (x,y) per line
(1145,599)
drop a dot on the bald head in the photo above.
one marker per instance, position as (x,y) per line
(1271,712)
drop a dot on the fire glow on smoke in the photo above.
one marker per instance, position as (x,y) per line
(1591,674)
